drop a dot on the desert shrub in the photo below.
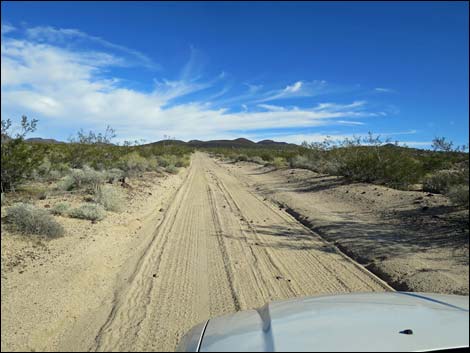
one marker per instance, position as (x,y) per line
(442,180)
(279,162)
(91,212)
(302,162)
(54,175)
(44,168)
(377,164)
(267,156)
(110,198)
(152,163)
(257,160)
(241,158)
(133,163)
(28,219)
(83,178)
(182,162)
(66,183)
(166,160)
(113,175)
(19,159)
(171,169)
(60,208)
(459,194)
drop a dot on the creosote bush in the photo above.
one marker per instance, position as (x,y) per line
(28,219)
(442,180)
(459,195)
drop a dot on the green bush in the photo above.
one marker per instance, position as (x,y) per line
(28,219)
(171,169)
(241,158)
(91,212)
(442,180)
(113,175)
(60,209)
(459,194)
(302,162)
(182,162)
(19,159)
(257,160)
(279,162)
(110,198)
(133,163)
(87,178)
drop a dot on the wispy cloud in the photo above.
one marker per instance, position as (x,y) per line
(6,28)
(296,89)
(58,35)
(384,90)
(44,78)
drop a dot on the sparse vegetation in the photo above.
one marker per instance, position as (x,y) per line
(369,159)
(60,209)
(28,219)
(459,195)
(92,212)
(110,198)
(19,159)
(171,169)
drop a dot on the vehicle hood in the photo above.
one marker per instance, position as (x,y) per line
(351,322)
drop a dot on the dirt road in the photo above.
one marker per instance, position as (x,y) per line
(220,248)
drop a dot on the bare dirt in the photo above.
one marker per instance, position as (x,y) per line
(414,240)
(205,243)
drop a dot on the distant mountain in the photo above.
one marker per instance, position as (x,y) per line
(271,143)
(41,140)
(236,143)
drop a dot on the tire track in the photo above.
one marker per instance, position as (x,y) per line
(219,249)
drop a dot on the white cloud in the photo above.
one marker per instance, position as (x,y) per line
(350,122)
(6,28)
(53,35)
(62,87)
(297,89)
(384,90)
(294,88)
(273,108)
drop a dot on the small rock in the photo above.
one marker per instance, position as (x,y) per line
(150,193)
(161,209)
(47,206)
(429,195)
(363,192)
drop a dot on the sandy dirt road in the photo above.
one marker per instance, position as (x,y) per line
(220,248)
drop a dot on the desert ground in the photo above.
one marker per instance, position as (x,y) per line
(216,238)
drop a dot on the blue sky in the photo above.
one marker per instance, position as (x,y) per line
(279,70)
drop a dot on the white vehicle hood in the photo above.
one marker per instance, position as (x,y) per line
(351,322)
